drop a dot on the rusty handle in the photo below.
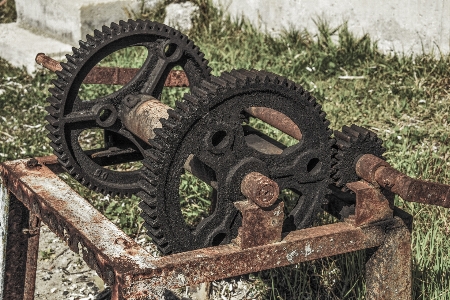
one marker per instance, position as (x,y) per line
(48,62)
(376,170)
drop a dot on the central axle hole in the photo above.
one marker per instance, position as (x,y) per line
(218,138)
(104,114)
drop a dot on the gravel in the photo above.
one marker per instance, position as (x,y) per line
(62,274)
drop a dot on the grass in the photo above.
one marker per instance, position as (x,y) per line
(406,100)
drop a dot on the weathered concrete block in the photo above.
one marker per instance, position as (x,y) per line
(70,21)
(180,15)
(20,46)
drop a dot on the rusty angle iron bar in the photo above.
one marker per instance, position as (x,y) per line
(133,272)
(113,75)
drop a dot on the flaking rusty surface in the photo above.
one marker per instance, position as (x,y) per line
(143,118)
(105,248)
(135,274)
(277,120)
(214,263)
(371,204)
(260,189)
(375,170)
(388,270)
(21,252)
(113,75)
(260,226)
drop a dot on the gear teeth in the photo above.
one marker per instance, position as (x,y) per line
(342,139)
(117,29)
(62,156)
(51,129)
(230,79)
(52,121)
(240,76)
(92,40)
(351,143)
(64,74)
(52,111)
(54,139)
(72,59)
(60,84)
(219,81)
(191,98)
(125,25)
(69,67)
(199,92)
(206,85)
(174,115)
(154,232)
(100,36)
(155,144)
(361,130)
(168,124)
(133,23)
(80,52)
(352,134)
(183,105)
(107,30)
(85,45)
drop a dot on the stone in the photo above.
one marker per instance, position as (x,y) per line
(70,21)
(180,15)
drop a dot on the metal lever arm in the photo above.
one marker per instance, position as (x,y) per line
(378,171)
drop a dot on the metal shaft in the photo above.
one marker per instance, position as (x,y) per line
(376,170)
(277,120)
(260,189)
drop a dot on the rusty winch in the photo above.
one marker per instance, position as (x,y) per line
(211,134)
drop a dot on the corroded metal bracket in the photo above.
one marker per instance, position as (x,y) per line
(135,274)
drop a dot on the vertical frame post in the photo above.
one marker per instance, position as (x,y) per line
(21,253)
(4,212)
(388,270)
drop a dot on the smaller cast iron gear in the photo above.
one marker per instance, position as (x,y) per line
(351,143)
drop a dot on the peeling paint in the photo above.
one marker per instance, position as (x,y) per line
(290,256)
(4,210)
(308,250)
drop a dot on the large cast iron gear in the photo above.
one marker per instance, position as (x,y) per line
(69,115)
(351,144)
(208,128)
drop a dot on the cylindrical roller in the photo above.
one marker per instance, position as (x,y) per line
(376,170)
(277,120)
(141,115)
(260,189)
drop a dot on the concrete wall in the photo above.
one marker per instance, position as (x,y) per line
(403,26)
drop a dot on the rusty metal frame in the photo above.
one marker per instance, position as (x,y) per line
(134,274)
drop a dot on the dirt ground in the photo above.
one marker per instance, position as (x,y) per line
(62,274)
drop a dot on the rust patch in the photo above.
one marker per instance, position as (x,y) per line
(259,226)
(260,189)
(375,170)
(371,204)
(277,120)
